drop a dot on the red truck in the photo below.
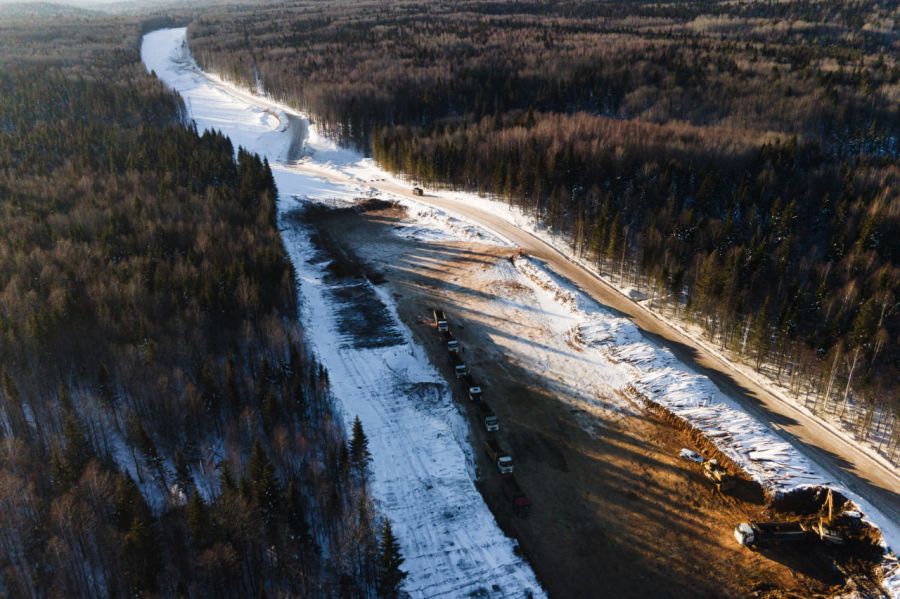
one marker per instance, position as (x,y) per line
(515,494)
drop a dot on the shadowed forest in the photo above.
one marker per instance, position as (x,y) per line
(163,430)
(735,162)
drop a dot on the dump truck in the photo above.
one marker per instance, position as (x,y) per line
(440,321)
(488,418)
(475,393)
(459,367)
(451,343)
(498,456)
(718,475)
(515,494)
(755,534)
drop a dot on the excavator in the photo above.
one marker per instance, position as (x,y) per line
(752,534)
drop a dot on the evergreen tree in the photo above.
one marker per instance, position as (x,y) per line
(390,575)
(75,453)
(141,557)
(198,521)
(359,446)
(298,527)
(105,386)
(264,489)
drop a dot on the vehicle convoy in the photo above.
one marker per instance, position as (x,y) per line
(718,475)
(451,342)
(498,456)
(515,494)
(488,418)
(459,367)
(440,321)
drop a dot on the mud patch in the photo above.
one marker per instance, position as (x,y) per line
(363,321)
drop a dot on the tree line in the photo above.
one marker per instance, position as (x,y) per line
(737,162)
(164,432)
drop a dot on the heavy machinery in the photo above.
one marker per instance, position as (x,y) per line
(460,370)
(440,321)
(718,475)
(755,534)
(451,343)
(498,456)
(488,418)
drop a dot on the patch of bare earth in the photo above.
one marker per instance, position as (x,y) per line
(615,512)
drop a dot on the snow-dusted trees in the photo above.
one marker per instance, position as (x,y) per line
(743,176)
(163,430)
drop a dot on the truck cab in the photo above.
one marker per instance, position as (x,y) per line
(743,534)
(505,464)
(475,393)
(451,342)
(488,418)
(440,321)
(498,456)
(460,370)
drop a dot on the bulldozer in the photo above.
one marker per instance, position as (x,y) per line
(718,475)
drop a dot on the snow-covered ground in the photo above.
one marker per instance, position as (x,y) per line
(422,467)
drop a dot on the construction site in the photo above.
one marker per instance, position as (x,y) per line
(606,494)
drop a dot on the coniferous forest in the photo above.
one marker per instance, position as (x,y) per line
(163,430)
(737,163)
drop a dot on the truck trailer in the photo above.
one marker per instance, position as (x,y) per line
(756,534)
(460,370)
(450,342)
(488,418)
(440,321)
(498,456)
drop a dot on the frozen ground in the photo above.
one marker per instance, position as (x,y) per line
(422,469)
(254,122)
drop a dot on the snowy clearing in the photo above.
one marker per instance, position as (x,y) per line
(422,469)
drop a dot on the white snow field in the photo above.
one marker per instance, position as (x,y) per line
(422,467)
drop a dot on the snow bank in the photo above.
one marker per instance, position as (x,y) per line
(422,468)
(433,224)
(655,375)
(422,464)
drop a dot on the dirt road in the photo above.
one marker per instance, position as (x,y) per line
(843,461)
(616,512)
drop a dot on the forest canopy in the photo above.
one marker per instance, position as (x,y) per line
(738,160)
(163,429)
